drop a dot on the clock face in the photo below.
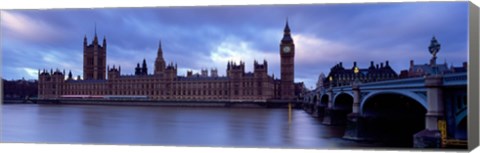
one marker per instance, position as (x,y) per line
(286,49)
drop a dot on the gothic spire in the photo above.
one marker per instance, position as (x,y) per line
(144,67)
(70,74)
(160,44)
(137,69)
(287,38)
(104,41)
(95,39)
(160,51)
(95,29)
(85,40)
(287,28)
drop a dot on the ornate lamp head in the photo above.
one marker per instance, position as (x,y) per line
(434,47)
(356,70)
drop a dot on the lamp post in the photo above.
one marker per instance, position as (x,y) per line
(356,71)
(354,121)
(331,80)
(434,48)
(356,91)
(327,116)
(430,137)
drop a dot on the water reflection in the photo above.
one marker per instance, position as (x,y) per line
(179,126)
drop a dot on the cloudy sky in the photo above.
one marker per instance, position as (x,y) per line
(207,37)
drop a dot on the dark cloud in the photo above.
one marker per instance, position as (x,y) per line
(202,37)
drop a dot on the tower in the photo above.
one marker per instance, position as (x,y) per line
(138,70)
(113,73)
(159,62)
(204,72)
(94,59)
(214,72)
(70,77)
(287,54)
(144,67)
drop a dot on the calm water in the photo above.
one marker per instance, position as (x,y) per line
(167,126)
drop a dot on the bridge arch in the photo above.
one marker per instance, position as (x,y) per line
(421,100)
(343,101)
(394,116)
(314,99)
(340,94)
(461,129)
(324,100)
(342,106)
(461,115)
(459,112)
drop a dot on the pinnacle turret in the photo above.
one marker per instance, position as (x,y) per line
(104,41)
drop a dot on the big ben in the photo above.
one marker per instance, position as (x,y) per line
(287,54)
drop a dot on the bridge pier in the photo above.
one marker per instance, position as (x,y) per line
(326,118)
(314,110)
(356,125)
(430,137)
(308,107)
(328,111)
(321,111)
(311,108)
(334,117)
(359,128)
(304,106)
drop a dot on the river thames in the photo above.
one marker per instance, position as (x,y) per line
(170,126)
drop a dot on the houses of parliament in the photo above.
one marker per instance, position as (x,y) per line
(164,84)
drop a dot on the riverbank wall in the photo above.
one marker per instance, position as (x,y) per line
(176,103)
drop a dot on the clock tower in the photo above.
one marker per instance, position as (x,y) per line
(287,54)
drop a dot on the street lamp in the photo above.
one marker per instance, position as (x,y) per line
(331,80)
(434,48)
(356,71)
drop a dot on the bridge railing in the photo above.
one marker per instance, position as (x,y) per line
(416,82)
(395,82)
(455,79)
(446,78)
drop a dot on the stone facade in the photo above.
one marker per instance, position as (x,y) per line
(165,84)
(19,89)
(340,76)
(94,59)
(420,70)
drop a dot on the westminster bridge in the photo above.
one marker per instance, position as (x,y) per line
(430,110)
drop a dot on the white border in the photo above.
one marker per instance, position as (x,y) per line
(46,4)
(71,148)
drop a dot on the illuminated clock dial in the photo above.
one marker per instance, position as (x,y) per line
(286,49)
